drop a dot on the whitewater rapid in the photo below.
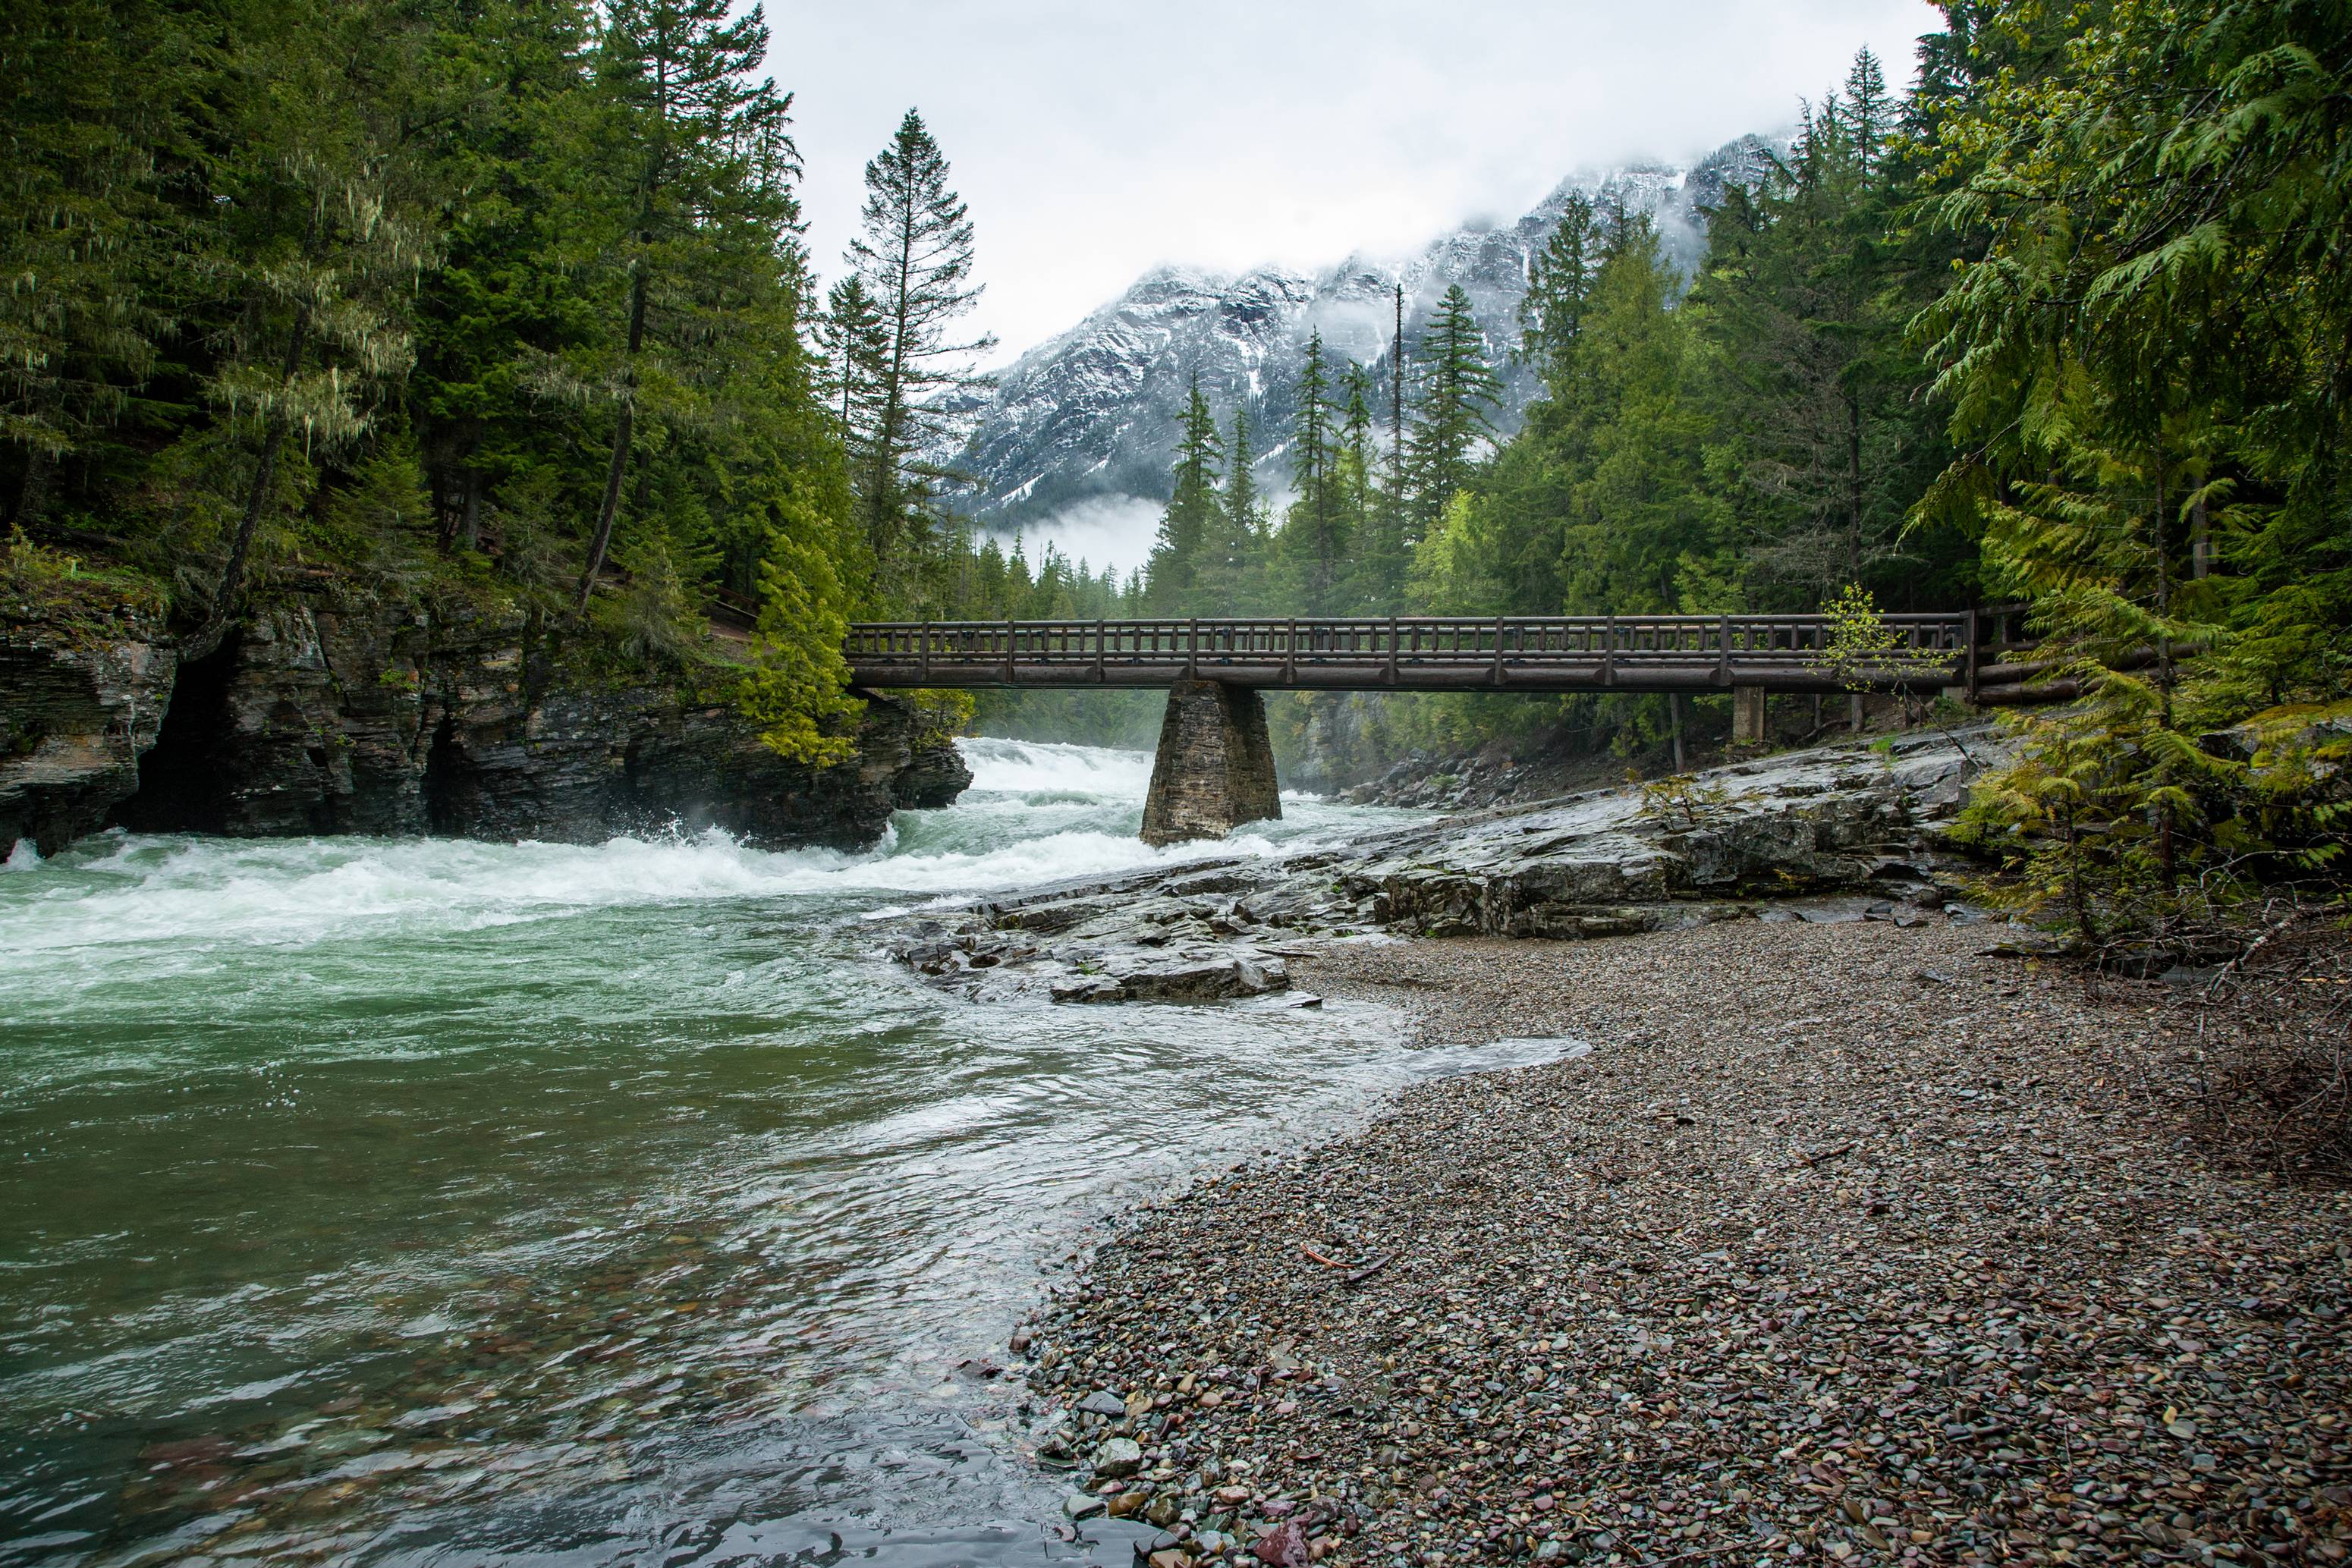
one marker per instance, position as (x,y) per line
(1035,812)
(426,1200)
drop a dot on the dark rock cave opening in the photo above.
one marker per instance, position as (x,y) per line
(452,790)
(182,788)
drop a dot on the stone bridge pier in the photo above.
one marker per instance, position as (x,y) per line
(1215,767)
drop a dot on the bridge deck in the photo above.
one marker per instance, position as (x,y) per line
(1536,654)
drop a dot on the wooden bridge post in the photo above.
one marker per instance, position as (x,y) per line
(1392,650)
(1498,650)
(1609,653)
(1290,653)
(1193,649)
(925,651)
(1011,636)
(1969,677)
(1101,631)
(1723,652)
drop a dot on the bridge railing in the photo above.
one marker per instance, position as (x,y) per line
(1398,642)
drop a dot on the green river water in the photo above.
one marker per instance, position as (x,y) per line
(427,1201)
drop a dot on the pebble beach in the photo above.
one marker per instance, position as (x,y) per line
(1848,1242)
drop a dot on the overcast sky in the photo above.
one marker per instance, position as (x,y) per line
(1097,140)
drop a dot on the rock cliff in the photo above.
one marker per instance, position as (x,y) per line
(83,686)
(336,711)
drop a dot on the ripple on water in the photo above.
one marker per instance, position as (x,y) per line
(427,1199)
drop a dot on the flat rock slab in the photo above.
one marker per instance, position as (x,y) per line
(1857,824)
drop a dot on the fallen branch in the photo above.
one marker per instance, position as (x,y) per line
(2256,945)
(1327,1263)
(1812,1160)
(1370,1269)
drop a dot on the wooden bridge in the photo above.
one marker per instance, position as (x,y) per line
(1215,765)
(1526,654)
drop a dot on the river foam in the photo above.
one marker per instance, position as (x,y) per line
(1035,812)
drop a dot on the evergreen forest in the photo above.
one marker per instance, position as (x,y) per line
(512,300)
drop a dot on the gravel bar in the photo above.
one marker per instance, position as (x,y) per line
(1847,1241)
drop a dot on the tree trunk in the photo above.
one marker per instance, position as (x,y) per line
(33,498)
(2163,597)
(1853,483)
(2167,866)
(469,524)
(622,430)
(216,627)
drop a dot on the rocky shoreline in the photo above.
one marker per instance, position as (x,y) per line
(1735,842)
(1857,1242)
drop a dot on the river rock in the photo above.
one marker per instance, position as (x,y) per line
(1838,820)
(1104,1403)
(1119,1458)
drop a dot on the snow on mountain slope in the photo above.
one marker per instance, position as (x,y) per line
(1082,427)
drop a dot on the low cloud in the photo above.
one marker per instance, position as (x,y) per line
(1103,530)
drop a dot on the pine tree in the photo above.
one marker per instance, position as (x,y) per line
(1242,510)
(1808,305)
(1313,535)
(701,144)
(1191,515)
(1353,475)
(796,691)
(325,230)
(1870,114)
(855,341)
(1639,507)
(90,94)
(1230,581)
(1559,281)
(507,298)
(1450,414)
(915,258)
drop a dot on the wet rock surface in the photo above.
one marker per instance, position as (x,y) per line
(80,699)
(1847,1243)
(330,712)
(1853,821)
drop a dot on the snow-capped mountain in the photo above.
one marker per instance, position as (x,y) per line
(1085,424)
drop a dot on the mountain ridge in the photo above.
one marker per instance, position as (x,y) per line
(1084,424)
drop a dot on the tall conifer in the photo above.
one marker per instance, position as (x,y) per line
(1313,535)
(915,257)
(704,155)
(1453,414)
(1192,509)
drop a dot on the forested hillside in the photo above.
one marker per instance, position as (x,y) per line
(512,300)
(2065,323)
(504,300)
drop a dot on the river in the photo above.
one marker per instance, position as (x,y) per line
(406,1201)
